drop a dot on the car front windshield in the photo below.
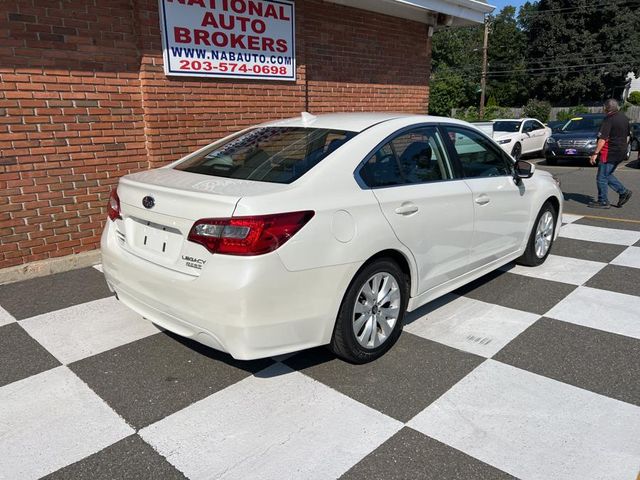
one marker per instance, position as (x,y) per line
(268,154)
(583,123)
(510,127)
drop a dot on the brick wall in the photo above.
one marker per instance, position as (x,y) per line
(84,100)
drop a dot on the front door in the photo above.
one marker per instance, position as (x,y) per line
(501,206)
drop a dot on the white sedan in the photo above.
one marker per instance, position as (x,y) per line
(322,230)
(522,136)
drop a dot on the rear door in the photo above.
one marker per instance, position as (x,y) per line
(429,209)
(529,140)
(501,208)
(538,134)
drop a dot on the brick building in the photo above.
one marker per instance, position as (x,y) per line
(84,99)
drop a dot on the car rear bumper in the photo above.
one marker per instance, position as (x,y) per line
(249,307)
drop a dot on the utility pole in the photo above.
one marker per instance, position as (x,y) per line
(483,80)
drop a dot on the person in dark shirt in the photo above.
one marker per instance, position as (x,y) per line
(613,139)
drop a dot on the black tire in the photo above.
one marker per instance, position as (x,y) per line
(516,152)
(344,342)
(551,161)
(530,257)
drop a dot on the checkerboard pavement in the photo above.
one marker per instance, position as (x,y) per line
(525,373)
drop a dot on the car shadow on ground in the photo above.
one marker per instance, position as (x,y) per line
(634,163)
(578,198)
(314,357)
(300,360)
(247,365)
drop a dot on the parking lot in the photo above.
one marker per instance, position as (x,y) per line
(528,372)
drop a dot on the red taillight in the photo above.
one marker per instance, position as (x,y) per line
(113,207)
(248,235)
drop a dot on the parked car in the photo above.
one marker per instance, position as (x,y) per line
(576,140)
(520,136)
(322,230)
(635,136)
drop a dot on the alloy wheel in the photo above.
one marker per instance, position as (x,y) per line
(544,234)
(376,310)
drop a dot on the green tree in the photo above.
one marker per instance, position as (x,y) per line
(634,98)
(456,60)
(507,80)
(580,50)
(538,109)
(457,65)
(448,90)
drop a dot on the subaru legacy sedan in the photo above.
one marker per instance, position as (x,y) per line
(322,231)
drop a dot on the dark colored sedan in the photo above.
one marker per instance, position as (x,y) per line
(575,140)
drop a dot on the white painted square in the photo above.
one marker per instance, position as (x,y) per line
(279,424)
(471,325)
(568,218)
(601,309)
(629,258)
(560,269)
(98,267)
(50,420)
(535,428)
(5,317)
(84,330)
(599,234)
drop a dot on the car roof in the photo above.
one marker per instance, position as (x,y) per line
(355,122)
(588,115)
(514,119)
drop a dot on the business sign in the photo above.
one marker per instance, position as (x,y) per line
(229,38)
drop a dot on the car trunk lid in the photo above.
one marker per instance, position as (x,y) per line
(159,207)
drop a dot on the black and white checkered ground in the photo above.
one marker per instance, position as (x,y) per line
(528,373)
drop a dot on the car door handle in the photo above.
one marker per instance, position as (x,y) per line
(407,209)
(482,199)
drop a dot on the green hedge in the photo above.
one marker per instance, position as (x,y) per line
(634,98)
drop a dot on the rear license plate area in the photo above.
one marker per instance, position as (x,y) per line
(156,238)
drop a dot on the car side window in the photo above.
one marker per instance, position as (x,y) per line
(382,169)
(528,126)
(410,158)
(421,157)
(478,157)
(538,126)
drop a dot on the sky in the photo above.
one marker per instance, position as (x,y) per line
(499,4)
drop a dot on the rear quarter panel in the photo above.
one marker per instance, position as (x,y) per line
(348,226)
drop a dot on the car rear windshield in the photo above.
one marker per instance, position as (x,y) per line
(268,154)
(583,123)
(510,127)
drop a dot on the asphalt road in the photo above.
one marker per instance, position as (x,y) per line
(578,183)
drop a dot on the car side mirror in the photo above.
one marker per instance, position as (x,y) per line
(523,169)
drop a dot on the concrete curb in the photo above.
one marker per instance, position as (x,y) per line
(49,266)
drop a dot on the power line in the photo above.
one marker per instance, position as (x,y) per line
(603,64)
(537,69)
(569,56)
(549,62)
